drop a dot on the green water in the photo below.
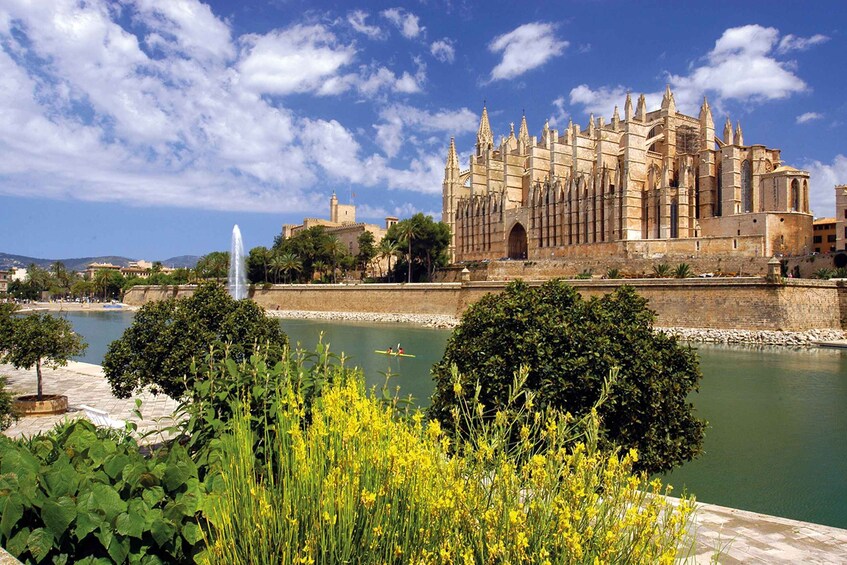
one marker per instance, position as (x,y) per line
(777,441)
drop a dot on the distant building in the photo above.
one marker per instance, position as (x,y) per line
(343,225)
(646,184)
(92,269)
(19,274)
(5,279)
(823,235)
(841,217)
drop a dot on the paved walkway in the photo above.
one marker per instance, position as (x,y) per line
(737,535)
(83,383)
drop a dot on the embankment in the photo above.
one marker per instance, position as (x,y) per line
(719,303)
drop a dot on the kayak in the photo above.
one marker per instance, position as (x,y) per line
(393,353)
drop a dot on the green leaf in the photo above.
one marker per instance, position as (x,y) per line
(107,500)
(17,545)
(58,514)
(11,510)
(130,524)
(192,533)
(153,495)
(176,475)
(163,532)
(114,465)
(39,543)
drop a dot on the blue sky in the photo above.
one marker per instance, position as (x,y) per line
(147,128)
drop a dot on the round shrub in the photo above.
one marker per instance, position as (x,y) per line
(569,346)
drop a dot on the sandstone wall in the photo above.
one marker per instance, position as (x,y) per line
(720,303)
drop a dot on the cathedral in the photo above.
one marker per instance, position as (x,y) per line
(653,184)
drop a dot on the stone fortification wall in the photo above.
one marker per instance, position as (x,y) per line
(599,265)
(725,303)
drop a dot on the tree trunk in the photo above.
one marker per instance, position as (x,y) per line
(410,259)
(38,373)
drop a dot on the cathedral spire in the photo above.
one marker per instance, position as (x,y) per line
(627,109)
(668,103)
(452,156)
(707,126)
(727,132)
(523,134)
(739,136)
(591,125)
(484,137)
(616,119)
(641,110)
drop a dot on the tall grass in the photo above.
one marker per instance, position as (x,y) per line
(355,483)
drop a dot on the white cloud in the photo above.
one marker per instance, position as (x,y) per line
(195,29)
(157,113)
(823,179)
(443,50)
(297,59)
(398,120)
(407,22)
(357,18)
(808,117)
(792,42)
(741,66)
(525,48)
(559,118)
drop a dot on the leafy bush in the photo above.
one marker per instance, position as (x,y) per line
(361,486)
(682,271)
(662,270)
(165,337)
(824,273)
(613,273)
(259,383)
(7,407)
(81,494)
(568,346)
(37,340)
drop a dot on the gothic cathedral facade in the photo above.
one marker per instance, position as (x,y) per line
(654,184)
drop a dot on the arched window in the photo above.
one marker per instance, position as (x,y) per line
(719,191)
(795,195)
(746,186)
(674,218)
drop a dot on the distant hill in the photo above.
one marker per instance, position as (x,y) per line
(183,261)
(8,260)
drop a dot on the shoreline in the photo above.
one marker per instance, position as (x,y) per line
(808,338)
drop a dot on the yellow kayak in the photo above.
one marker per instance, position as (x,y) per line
(392,353)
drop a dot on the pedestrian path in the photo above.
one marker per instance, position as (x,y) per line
(84,384)
(735,536)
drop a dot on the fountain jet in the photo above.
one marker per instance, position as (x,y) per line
(237,267)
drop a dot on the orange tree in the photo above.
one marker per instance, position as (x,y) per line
(569,346)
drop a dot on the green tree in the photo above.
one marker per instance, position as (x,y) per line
(388,248)
(167,336)
(215,265)
(258,262)
(367,251)
(38,340)
(82,288)
(336,252)
(289,264)
(569,345)
(108,283)
(311,246)
(426,243)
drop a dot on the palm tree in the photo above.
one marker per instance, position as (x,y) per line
(277,265)
(408,230)
(387,249)
(335,250)
(290,263)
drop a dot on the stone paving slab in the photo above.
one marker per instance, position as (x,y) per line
(84,384)
(735,536)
